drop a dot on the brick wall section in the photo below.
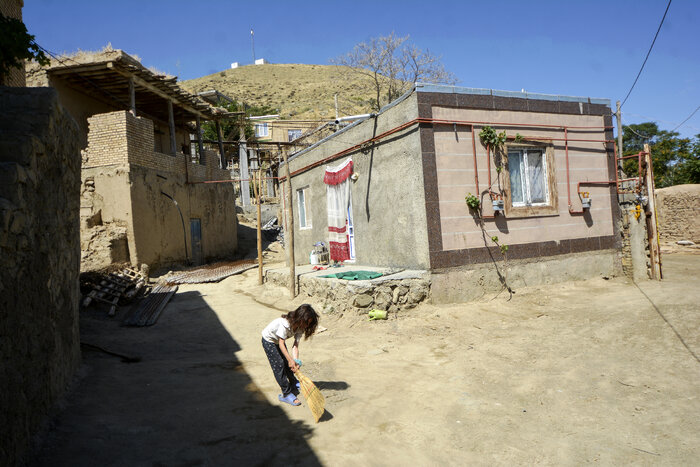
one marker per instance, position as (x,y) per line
(40,251)
(119,138)
(107,143)
(13,9)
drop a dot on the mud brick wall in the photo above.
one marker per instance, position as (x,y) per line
(678,208)
(40,251)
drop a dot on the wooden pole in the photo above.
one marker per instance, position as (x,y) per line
(289,233)
(618,117)
(652,225)
(171,123)
(132,96)
(221,145)
(200,146)
(260,258)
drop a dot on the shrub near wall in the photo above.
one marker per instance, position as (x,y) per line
(40,251)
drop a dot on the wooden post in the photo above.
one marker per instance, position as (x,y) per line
(289,233)
(618,117)
(256,187)
(171,122)
(132,96)
(221,145)
(200,146)
(243,168)
(653,224)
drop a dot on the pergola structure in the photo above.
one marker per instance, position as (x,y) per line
(120,81)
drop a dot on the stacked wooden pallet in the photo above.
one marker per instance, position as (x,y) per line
(114,286)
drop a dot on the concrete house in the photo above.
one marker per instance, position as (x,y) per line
(549,193)
(144,196)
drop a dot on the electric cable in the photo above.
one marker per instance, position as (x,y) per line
(689,117)
(649,52)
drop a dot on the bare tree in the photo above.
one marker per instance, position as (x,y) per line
(393,65)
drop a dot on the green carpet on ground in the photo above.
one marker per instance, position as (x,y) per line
(355,275)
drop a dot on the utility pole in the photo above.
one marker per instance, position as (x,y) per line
(618,117)
(336,105)
(252,43)
(289,233)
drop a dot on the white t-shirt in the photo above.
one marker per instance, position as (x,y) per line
(277,329)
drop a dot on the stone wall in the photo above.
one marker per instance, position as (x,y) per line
(39,247)
(678,208)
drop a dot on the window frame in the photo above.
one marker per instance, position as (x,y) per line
(296,132)
(304,192)
(259,126)
(548,208)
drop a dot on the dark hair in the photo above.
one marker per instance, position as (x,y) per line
(303,320)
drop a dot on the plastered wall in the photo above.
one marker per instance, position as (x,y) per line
(40,254)
(387,199)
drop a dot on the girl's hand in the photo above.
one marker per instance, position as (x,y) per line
(293,366)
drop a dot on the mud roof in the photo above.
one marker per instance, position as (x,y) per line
(106,76)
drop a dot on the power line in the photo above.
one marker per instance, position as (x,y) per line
(649,52)
(689,117)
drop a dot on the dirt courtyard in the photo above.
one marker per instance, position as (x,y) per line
(600,371)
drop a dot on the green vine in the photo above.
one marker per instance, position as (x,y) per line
(17,45)
(492,139)
(473,202)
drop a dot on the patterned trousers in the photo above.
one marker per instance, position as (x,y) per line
(283,374)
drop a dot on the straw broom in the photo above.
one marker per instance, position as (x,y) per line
(313,396)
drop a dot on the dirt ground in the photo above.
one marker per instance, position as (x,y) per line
(597,371)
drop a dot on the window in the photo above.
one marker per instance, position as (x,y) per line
(531,188)
(304,214)
(528,177)
(293,134)
(261,130)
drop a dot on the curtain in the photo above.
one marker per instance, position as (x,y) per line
(535,169)
(516,179)
(337,180)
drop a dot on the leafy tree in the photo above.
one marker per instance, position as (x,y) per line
(676,160)
(393,65)
(16,45)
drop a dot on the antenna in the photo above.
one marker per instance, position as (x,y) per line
(252,42)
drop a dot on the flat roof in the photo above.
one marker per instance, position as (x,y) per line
(425,87)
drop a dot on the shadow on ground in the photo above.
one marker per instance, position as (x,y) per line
(187,402)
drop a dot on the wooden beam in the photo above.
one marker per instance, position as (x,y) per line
(171,122)
(154,89)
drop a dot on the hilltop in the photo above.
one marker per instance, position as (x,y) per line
(298,91)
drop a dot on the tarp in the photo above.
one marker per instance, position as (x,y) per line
(355,275)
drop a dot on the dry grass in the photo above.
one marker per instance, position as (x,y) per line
(298,91)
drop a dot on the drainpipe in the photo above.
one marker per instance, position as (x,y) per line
(182,219)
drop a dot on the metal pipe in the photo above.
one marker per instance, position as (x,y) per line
(182,219)
(476,168)
(568,182)
(353,117)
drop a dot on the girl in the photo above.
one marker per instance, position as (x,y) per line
(302,321)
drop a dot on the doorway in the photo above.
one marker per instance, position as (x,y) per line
(196,235)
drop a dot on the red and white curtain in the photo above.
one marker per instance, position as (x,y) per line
(337,180)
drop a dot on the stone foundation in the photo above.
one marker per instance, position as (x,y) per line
(392,292)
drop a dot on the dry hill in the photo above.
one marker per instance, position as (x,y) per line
(298,91)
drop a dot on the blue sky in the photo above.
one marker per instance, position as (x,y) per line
(592,48)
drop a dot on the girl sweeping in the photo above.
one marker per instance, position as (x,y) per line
(302,321)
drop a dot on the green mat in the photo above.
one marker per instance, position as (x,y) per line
(355,275)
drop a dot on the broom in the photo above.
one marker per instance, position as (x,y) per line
(313,396)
